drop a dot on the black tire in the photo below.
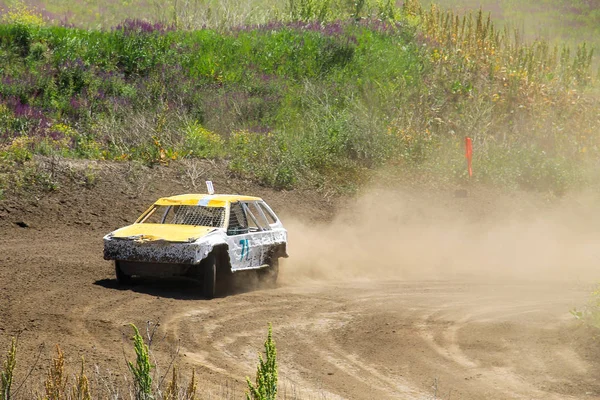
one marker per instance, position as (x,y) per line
(268,275)
(209,278)
(122,277)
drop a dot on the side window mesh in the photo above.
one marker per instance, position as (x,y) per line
(261,221)
(238,223)
(268,213)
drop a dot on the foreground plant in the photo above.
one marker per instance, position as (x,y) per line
(141,369)
(192,386)
(6,376)
(56,379)
(175,392)
(590,313)
(266,373)
(81,387)
(173,386)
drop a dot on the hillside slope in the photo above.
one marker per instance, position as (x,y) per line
(314,102)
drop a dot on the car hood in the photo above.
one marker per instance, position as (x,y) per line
(166,232)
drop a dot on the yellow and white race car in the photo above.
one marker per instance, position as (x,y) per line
(204,236)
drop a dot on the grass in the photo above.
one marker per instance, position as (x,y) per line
(571,21)
(590,313)
(556,20)
(320,95)
(265,387)
(6,376)
(141,369)
(59,385)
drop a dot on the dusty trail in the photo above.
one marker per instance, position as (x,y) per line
(357,339)
(408,295)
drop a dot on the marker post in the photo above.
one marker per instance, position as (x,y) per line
(469,155)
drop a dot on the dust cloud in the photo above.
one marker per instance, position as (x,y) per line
(422,235)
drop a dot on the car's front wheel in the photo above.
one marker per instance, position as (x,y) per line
(122,277)
(209,279)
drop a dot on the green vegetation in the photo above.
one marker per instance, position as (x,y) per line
(81,387)
(7,374)
(590,313)
(322,96)
(564,20)
(57,385)
(266,373)
(141,369)
(56,380)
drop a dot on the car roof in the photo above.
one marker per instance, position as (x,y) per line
(207,200)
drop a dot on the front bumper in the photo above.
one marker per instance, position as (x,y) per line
(157,251)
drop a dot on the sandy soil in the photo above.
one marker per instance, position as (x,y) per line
(364,323)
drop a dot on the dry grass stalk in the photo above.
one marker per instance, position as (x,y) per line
(56,379)
(173,387)
(81,387)
(190,392)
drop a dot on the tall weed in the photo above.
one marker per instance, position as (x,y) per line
(265,387)
(590,314)
(140,370)
(7,373)
(81,386)
(56,378)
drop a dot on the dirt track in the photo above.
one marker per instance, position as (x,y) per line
(462,337)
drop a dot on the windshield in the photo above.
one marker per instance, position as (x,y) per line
(185,215)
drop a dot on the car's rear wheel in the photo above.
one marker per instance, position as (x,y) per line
(209,279)
(268,275)
(122,277)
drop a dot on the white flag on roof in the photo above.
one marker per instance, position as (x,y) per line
(209,186)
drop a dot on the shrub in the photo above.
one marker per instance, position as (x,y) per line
(265,387)
(20,150)
(309,10)
(7,373)
(140,46)
(590,314)
(141,369)
(23,22)
(81,387)
(21,14)
(266,157)
(56,379)
(37,51)
(202,143)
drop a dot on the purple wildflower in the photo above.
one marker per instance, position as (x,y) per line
(133,26)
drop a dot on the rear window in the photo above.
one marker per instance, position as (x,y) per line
(185,215)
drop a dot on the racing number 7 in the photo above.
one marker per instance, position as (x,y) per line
(245,248)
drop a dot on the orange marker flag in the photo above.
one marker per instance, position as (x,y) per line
(469,154)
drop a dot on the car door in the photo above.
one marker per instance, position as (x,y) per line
(245,232)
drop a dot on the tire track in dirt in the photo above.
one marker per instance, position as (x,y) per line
(229,336)
(446,344)
(355,339)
